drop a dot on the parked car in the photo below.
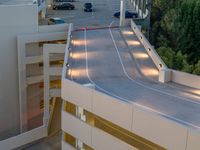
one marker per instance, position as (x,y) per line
(127,14)
(88,7)
(63,6)
(52,21)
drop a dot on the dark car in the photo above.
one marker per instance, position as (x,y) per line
(88,7)
(127,14)
(63,6)
(52,21)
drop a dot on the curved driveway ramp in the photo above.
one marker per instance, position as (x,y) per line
(115,61)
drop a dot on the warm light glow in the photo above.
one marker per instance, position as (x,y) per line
(79,55)
(78,73)
(69,72)
(150,72)
(82,55)
(55,84)
(140,55)
(133,42)
(71,54)
(78,42)
(127,33)
(197,92)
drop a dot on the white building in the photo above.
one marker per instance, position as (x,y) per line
(94,120)
(32,58)
(21,78)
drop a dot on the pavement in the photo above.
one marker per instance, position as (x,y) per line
(51,143)
(101,16)
(117,64)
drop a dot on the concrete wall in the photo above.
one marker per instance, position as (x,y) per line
(53,28)
(166,74)
(26,43)
(148,47)
(193,140)
(23,138)
(151,125)
(66,146)
(14,20)
(95,138)
(186,79)
(162,131)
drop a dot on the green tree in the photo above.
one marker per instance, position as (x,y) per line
(197,68)
(167,55)
(188,29)
(175,33)
(178,61)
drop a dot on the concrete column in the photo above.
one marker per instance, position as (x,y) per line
(81,116)
(49,2)
(80,113)
(165,75)
(46,85)
(122,12)
(44,11)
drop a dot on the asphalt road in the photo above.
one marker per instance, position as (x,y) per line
(116,62)
(102,15)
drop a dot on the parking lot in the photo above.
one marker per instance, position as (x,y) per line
(101,16)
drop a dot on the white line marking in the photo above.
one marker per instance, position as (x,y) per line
(120,98)
(92,8)
(139,83)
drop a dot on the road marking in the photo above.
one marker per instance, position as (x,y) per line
(120,98)
(139,83)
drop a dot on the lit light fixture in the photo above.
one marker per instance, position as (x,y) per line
(133,42)
(140,55)
(69,72)
(150,72)
(67,65)
(75,73)
(71,54)
(195,91)
(127,33)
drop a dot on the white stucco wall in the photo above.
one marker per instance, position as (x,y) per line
(14,20)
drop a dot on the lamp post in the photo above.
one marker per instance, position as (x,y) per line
(149,5)
(122,12)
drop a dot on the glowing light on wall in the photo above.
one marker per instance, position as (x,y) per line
(127,33)
(82,55)
(196,91)
(133,42)
(78,55)
(78,73)
(140,55)
(71,54)
(69,72)
(150,72)
(78,42)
